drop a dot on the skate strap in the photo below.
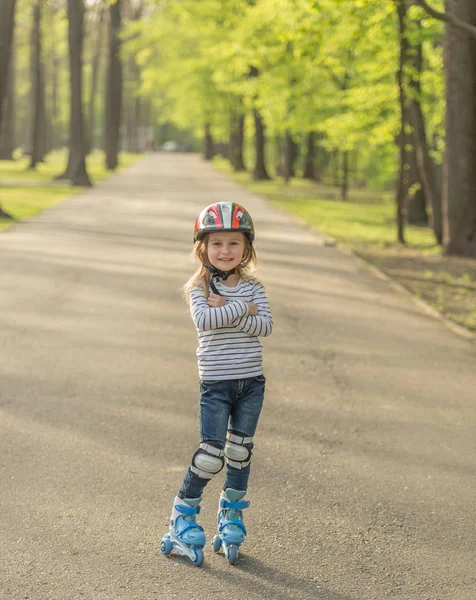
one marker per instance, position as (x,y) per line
(234,505)
(181,530)
(187,510)
(239,524)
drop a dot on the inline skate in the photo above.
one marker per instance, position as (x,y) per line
(231,529)
(185,536)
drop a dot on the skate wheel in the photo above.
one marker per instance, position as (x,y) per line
(232,554)
(166,546)
(216,543)
(198,557)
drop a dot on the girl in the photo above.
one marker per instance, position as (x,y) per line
(230,310)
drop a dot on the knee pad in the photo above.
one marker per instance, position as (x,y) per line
(238,450)
(207,461)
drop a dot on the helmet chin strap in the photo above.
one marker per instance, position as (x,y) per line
(221,274)
(216,273)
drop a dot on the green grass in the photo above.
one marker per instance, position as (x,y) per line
(55,164)
(366,220)
(366,224)
(23,199)
(26,201)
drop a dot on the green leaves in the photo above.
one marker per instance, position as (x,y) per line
(325,65)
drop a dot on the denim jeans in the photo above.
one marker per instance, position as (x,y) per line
(234,406)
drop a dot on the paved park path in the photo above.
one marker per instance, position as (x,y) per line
(363,484)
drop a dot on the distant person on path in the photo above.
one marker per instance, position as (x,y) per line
(230,310)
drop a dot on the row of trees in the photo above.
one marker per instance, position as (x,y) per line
(357,86)
(62,81)
(347,89)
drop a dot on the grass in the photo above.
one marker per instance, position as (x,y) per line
(55,164)
(366,225)
(25,193)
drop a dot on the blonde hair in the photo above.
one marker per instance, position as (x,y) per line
(202,276)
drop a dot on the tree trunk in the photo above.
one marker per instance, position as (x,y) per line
(416,207)
(344,188)
(259,173)
(309,168)
(55,62)
(135,130)
(278,155)
(416,199)
(132,141)
(459,175)
(133,125)
(7,25)
(322,159)
(94,79)
(114,89)
(427,172)
(402,186)
(208,145)
(38,130)
(7,132)
(288,157)
(76,169)
(335,168)
(237,138)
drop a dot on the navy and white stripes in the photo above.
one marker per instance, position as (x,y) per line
(229,347)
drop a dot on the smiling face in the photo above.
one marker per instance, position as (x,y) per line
(225,249)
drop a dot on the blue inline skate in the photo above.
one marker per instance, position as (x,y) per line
(231,529)
(185,535)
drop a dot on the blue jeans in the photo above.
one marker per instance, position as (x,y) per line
(234,406)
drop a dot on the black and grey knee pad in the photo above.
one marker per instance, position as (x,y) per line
(207,461)
(238,450)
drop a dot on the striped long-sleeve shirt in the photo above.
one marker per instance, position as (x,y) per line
(229,347)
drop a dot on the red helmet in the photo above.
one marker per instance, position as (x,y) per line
(224,216)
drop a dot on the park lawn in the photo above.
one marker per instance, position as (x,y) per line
(25,193)
(55,164)
(366,225)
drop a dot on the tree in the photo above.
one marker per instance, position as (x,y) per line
(260,172)
(459,173)
(7,129)
(76,169)
(416,212)
(38,147)
(208,143)
(309,167)
(97,26)
(237,136)
(402,188)
(450,17)
(113,89)
(7,21)
(7,24)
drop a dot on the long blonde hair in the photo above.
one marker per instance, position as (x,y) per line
(202,276)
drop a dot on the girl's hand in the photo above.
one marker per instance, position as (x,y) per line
(252,309)
(215,300)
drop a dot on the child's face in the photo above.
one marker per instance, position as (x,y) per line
(225,249)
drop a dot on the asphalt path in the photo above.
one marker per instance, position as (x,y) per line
(363,477)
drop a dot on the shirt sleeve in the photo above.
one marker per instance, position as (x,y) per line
(207,318)
(262,324)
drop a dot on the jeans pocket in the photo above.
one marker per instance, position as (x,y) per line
(260,379)
(207,385)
